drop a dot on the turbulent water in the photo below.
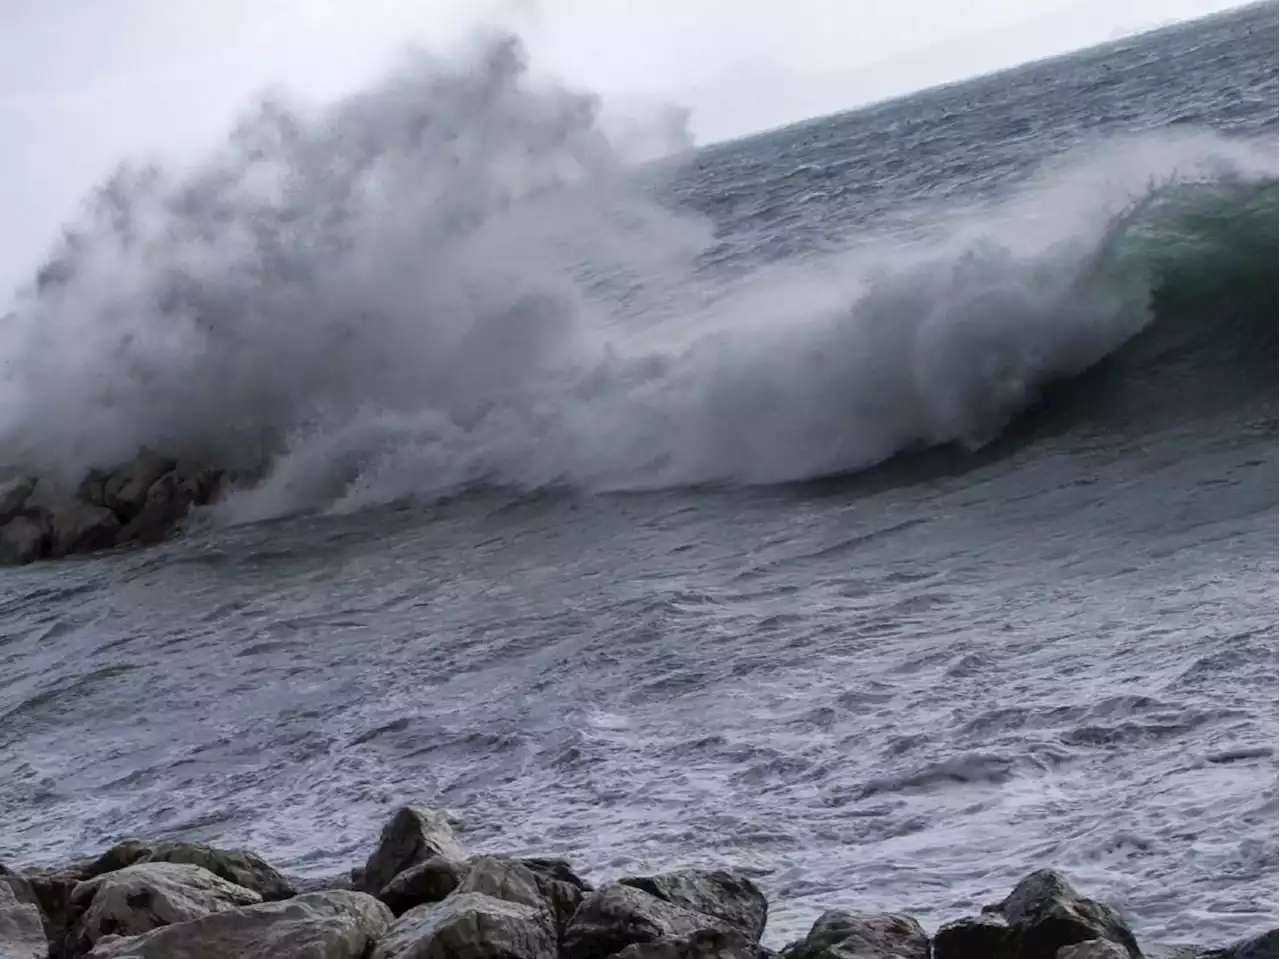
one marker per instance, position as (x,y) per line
(886,505)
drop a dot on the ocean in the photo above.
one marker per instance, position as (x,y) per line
(884,506)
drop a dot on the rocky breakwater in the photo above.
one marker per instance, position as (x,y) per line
(138,502)
(423,895)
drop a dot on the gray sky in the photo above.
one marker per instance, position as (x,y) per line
(84,83)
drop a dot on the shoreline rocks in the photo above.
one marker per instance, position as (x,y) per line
(138,502)
(423,895)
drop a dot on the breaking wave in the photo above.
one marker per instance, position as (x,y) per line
(455,278)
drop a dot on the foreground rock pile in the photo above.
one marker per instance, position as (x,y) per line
(137,503)
(422,895)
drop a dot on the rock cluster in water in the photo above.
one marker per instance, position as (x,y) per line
(138,502)
(423,895)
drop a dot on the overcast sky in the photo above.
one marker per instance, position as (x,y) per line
(84,83)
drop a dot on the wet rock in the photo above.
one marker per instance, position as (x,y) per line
(709,944)
(14,494)
(82,528)
(414,834)
(167,501)
(51,889)
(731,898)
(424,883)
(560,886)
(21,928)
(845,935)
(338,924)
(502,878)
(471,925)
(1265,946)
(23,539)
(1093,949)
(1045,913)
(93,488)
(202,484)
(142,897)
(984,937)
(617,916)
(237,866)
(125,490)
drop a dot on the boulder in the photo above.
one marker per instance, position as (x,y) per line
(82,528)
(733,899)
(471,925)
(1093,949)
(845,935)
(237,866)
(503,878)
(413,835)
(560,886)
(14,494)
(93,488)
(142,897)
(338,924)
(1265,946)
(424,883)
(167,501)
(125,490)
(51,890)
(21,928)
(709,944)
(23,540)
(617,916)
(985,936)
(1045,913)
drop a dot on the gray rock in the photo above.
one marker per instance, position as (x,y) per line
(142,897)
(1265,946)
(1093,949)
(984,937)
(93,488)
(50,889)
(474,926)
(845,935)
(14,494)
(167,501)
(21,929)
(729,897)
(559,885)
(339,924)
(238,866)
(503,878)
(125,490)
(413,835)
(617,916)
(23,540)
(710,944)
(1045,913)
(424,883)
(81,528)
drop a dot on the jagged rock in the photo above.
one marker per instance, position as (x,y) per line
(202,485)
(424,883)
(81,528)
(503,878)
(1045,913)
(93,488)
(167,502)
(844,935)
(1093,949)
(617,916)
(709,944)
(731,898)
(145,896)
(14,494)
(559,885)
(1265,946)
(984,937)
(51,890)
(413,835)
(305,884)
(338,924)
(238,866)
(471,925)
(21,929)
(23,540)
(125,490)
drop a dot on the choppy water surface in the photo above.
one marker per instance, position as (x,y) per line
(664,609)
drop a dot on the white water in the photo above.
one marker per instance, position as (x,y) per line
(454,278)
